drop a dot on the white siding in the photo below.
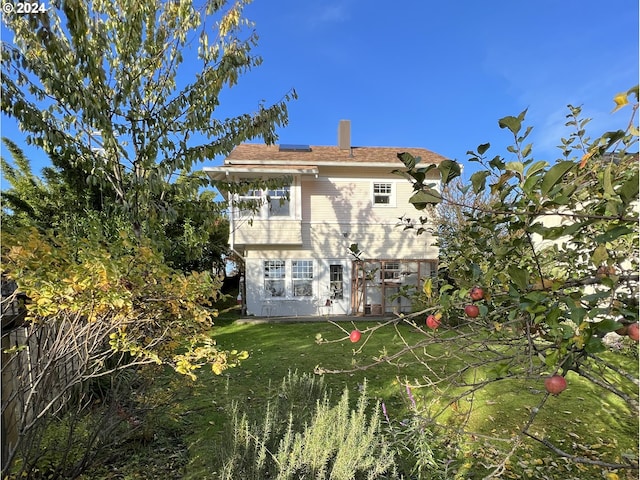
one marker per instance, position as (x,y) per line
(337,211)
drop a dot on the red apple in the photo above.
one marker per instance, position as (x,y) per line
(632,331)
(477,293)
(555,384)
(472,311)
(354,336)
(433,322)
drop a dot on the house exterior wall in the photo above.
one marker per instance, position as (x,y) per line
(259,302)
(270,232)
(339,204)
(336,211)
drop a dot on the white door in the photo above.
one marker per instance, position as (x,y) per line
(339,286)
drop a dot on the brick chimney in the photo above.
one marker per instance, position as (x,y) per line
(344,134)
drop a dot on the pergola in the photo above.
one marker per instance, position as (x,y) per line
(381,286)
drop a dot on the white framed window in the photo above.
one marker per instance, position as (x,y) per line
(251,202)
(382,194)
(302,275)
(279,205)
(391,271)
(275,276)
(336,286)
(264,204)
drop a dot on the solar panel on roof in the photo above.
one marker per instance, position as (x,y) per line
(289,147)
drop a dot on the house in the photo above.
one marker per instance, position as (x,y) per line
(299,249)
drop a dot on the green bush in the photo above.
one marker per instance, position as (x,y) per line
(302,436)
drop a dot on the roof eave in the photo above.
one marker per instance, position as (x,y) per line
(326,163)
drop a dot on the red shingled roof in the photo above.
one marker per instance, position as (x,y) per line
(323,155)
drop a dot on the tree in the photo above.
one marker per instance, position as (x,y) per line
(100,88)
(554,248)
(195,239)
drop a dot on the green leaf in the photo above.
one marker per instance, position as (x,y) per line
(629,190)
(483,148)
(613,233)
(554,175)
(426,169)
(519,277)
(512,123)
(536,167)
(577,314)
(478,180)
(594,345)
(606,181)
(408,159)
(422,198)
(448,170)
(599,255)
(497,162)
(607,325)
(552,358)
(517,167)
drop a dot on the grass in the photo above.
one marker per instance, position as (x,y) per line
(581,421)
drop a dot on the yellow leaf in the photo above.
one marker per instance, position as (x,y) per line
(545,284)
(243,355)
(216,368)
(612,476)
(621,100)
(586,157)
(428,287)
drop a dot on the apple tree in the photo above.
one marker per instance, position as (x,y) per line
(536,278)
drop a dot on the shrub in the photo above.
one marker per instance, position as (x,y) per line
(324,441)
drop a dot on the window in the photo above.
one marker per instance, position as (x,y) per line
(274,278)
(335,282)
(391,271)
(279,202)
(302,274)
(382,193)
(264,204)
(250,202)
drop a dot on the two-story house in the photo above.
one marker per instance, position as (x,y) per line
(296,247)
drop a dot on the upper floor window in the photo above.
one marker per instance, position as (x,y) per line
(250,203)
(265,203)
(279,205)
(383,193)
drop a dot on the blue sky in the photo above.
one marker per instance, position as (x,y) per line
(437,75)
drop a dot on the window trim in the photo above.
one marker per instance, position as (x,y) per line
(391,194)
(307,269)
(265,198)
(279,194)
(267,264)
(336,293)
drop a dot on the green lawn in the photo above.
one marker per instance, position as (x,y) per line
(581,421)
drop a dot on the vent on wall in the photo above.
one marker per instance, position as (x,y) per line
(288,147)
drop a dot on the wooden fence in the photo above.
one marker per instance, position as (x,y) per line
(36,370)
